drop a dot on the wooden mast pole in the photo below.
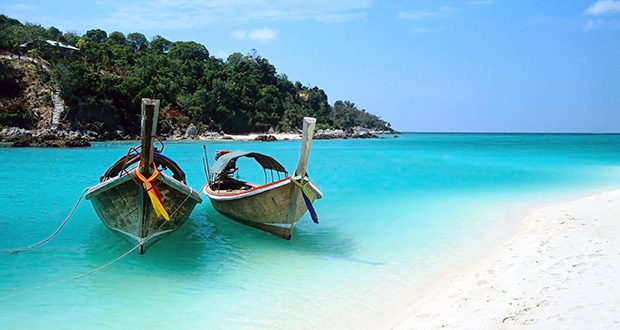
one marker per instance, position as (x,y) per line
(300,171)
(150,110)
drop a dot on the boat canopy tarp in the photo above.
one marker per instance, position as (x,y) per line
(267,162)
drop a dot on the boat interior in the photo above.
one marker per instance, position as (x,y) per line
(231,185)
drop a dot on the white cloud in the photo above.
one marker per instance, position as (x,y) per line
(20,6)
(187,14)
(238,34)
(341,18)
(603,7)
(424,13)
(415,14)
(419,30)
(264,34)
(599,24)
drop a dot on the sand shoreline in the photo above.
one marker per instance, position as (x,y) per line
(253,136)
(561,270)
(21,137)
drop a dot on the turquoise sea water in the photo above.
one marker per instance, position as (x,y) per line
(396,213)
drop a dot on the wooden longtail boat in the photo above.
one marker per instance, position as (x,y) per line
(135,198)
(275,206)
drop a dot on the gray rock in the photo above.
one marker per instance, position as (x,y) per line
(266,138)
(192,131)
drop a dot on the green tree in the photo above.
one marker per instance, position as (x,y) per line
(188,51)
(117,38)
(54,34)
(159,45)
(138,42)
(96,35)
(71,38)
(7,21)
(119,51)
(102,83)
(344,114)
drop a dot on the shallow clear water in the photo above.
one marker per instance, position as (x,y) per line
(396,212)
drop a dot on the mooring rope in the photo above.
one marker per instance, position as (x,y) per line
(11,251)
(191,190)
(307,198)
(135,247)
(93,270)
(109,263)
(75,277)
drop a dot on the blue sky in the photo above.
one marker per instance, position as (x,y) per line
(424,66)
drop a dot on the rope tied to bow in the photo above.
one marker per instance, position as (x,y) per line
(152,191)
(307,199)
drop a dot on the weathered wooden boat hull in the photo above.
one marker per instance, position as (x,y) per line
(264,207)
(125,208)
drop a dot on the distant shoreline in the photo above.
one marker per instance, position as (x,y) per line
(20,137)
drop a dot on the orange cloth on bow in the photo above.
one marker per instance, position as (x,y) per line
(153,192)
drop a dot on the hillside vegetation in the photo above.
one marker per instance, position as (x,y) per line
(102,84)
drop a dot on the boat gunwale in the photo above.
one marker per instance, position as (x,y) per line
(226,196)
(120,179)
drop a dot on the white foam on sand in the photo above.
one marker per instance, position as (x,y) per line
(560,271)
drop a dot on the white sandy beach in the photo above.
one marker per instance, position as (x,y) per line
(560,271)
(253,136)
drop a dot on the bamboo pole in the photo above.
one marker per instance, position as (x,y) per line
(300,171)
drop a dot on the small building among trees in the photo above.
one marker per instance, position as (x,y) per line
(46,46)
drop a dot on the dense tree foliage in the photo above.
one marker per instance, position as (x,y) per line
(103,82)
